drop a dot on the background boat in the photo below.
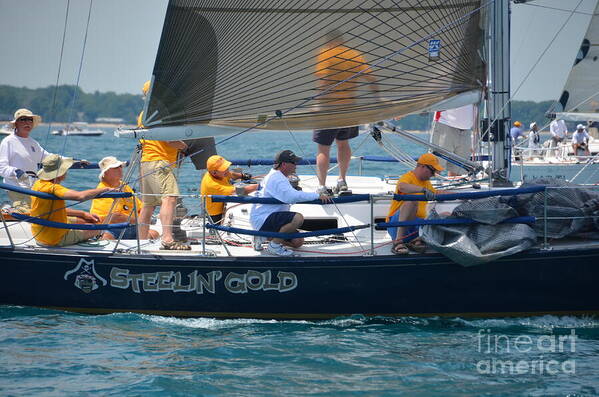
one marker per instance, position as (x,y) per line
(78,128)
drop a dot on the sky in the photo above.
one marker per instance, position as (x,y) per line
(123,38)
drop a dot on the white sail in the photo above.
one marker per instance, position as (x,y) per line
(581,92)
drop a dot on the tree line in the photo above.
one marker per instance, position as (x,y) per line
(67,103)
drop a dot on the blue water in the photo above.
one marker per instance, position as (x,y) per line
(54,353)
(46,352)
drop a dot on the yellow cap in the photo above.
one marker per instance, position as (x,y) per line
(517,123)
(217,163)
(430,159)
(146,87)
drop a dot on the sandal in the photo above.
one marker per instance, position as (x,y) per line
(416,245)
(400,249)
(174,246)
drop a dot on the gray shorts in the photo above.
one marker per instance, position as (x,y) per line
(326,137)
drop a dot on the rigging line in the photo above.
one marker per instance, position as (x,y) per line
(510,99)
(75,94)
(53,106)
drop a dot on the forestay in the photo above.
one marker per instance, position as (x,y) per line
(238,63)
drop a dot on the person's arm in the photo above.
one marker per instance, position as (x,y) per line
(84,194)
(280,188)
(251,188)
(86,216)
(6,170)
(180,145)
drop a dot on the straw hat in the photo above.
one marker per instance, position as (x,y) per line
(107,163)
(25,113)
(54,166)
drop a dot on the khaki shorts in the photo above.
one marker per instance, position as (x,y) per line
(20,202)
(72,237)
(159,181)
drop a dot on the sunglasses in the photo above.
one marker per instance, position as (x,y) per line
(431,169)
(24,119)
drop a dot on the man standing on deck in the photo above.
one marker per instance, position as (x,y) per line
(416,181)
(277,217)
(452,130)
(337,68)
(559,132)
(159,185)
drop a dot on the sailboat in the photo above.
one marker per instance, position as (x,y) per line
(225,67)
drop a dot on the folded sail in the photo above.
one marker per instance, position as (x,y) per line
(581,92)
(319,64)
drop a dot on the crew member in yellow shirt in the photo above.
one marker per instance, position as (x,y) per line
(159,185)
(120,209)
(53,172)
(416,181)
(216,182)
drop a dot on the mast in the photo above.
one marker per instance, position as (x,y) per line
(498,82)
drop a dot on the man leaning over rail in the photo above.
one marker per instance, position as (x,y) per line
(415,181)
(53,172)
(216,182)
(277,217)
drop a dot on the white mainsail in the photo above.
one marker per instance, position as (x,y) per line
(580,98)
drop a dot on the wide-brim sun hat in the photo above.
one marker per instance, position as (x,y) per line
(54,166)
(430,160)
(37,119)
(107,163)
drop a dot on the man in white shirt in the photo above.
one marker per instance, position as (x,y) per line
(580,140)
(277,217)
(452,130)
(19,157)
(559,132)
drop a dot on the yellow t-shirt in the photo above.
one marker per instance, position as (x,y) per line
(338,64)
(410,178)
(211,185)
(124,205)
(158,150)
(52,210)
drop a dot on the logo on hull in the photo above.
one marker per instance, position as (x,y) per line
(86,278)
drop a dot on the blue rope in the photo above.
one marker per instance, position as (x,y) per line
(285,235)
(60,225)
(268,200)
(49,196)
(471,195)
(452,221)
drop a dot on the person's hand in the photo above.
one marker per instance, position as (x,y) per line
(19,173)
(325,198)
(429,195)
(91,218)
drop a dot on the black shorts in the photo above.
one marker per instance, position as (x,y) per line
(326,137)
(277,220)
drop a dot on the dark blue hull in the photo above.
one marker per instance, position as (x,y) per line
(535,282)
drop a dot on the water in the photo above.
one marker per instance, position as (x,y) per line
(54,353)
(46,352)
